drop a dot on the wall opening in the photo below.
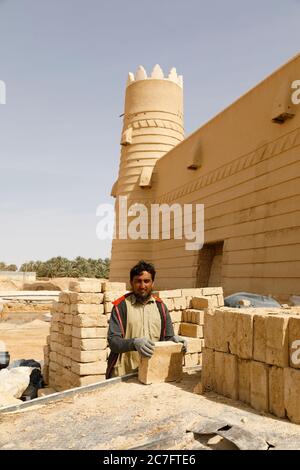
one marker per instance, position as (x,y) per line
(210,262)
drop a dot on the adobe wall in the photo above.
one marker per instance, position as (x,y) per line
(253,355)
(249,183)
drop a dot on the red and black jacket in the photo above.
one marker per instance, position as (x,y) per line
(117,330)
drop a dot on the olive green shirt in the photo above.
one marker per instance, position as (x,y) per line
(143,321)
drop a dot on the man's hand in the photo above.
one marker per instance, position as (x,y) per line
(144,346)
(180,339)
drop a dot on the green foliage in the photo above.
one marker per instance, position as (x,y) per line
(8,267)
(63,267)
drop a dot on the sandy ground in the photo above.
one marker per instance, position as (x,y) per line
(129,414)
(24,337)
(124,415)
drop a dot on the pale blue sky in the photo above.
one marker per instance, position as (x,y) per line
(65,64)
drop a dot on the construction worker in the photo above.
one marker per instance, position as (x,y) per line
(138,319)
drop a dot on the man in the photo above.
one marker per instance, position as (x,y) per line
(138,319)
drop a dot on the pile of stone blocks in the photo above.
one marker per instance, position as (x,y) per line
(76,351)
(253,355)
(164,366)
(186,308)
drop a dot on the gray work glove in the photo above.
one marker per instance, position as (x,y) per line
(180,339)
(144,346)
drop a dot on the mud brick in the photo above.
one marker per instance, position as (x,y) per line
(113,286)
(245,335)
(112,296)
(60,338)
(53,366)
(68,319)
(89,368)
(191,330)
(89,321)
(277,348)
(88,309)
(66,309)
(86,298)
(244,380)
(67,362)
(53,336)
(54,346)
(168,294)
(164,366)
(55,317)
(67,341)
(214,330)
(64,297)
(89,344)
(230,331)
(208,369)
(53,357)
(198,317)
(220,300)
(259,337)
(219,372)
(209,327)
(194,345)
(89,356)
(179,303)
(60,359)
(54,327)
(259,386)
(202,302)
(292,393)
(230,387)
(185,316)
(276,391)
(68,351)
(176,328)
(60,348)
(226,375)
(194,292)
(214,301)
(89,332)
(67,329)
(212,290)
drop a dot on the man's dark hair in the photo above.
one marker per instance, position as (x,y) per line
(140,267)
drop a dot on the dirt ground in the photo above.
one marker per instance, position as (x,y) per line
(125,415)
(129,415)
(24,335)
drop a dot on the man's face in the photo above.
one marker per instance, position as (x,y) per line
(142,285)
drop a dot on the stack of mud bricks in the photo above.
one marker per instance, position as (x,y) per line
(76,352)
(253,355)
(187,307)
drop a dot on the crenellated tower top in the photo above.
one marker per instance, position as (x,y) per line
(156,74)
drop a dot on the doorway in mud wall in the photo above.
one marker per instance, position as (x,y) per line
(210,261)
